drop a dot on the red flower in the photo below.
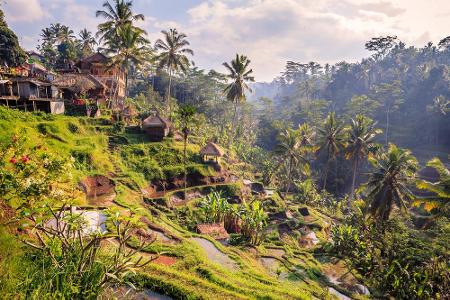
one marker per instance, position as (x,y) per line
(25,159)
(13,160)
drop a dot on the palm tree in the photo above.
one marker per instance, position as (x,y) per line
(117,15)
(62,33)
(391,97)
(306,136)
(87,42)
(127,49)
(290,153)
(388,183)
(186,114)
(240,75)
(439,109)
(173,54)
(331,140)
(440,201)
(48,36)
(360,143)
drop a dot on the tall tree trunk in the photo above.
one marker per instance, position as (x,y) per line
(185,167)
(336,186)
(327,165)
(168,93)
(387,126)
(234,125)
(126,85)
(355,166)
(289,175)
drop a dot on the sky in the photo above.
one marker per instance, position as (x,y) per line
(269,32)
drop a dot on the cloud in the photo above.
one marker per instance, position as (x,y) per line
(382,7)
(270,33)
(23,10)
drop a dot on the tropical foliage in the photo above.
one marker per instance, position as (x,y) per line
(439,202)
(11,53)
(388,184)
(173,55)
(249,218)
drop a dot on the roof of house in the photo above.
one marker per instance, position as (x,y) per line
(212,149)
(96,57)
(39,66)
(77,82)
(156,121)
(31,80)
(34,53)
(215,230)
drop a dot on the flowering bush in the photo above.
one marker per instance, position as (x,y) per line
(30,175)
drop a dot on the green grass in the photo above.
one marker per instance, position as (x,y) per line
(132,164)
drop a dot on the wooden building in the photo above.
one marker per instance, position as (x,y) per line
(211,152)
(113,78)
(75,85)
(30,95)
(156,127)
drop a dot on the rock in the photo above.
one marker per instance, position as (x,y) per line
(280,216)
(216,230)
(98,186)
(361,289)
(338,294)
(309,240)
(304,211)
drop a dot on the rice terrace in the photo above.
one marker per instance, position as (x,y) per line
(212,149)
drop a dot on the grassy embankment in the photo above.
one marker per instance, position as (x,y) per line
(132,162)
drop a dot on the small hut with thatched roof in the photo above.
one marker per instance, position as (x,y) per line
(156,127)
(211,152)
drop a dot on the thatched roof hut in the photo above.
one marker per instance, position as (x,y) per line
(78,83)
(211,150)
(156,127)
(156,121)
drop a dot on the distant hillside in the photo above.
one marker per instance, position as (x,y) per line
(263,89)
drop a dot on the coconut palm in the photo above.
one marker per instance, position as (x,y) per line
(87,42)
(439,202)
(48,36)
(331,141)
(394,169)
(186,114)
(239,73)
(173,54)
(129,48)
(360,143)
(117,15)
(290,151)
(62,33)
(439,109)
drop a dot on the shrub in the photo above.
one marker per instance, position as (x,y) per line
(83,158)
(74,128)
